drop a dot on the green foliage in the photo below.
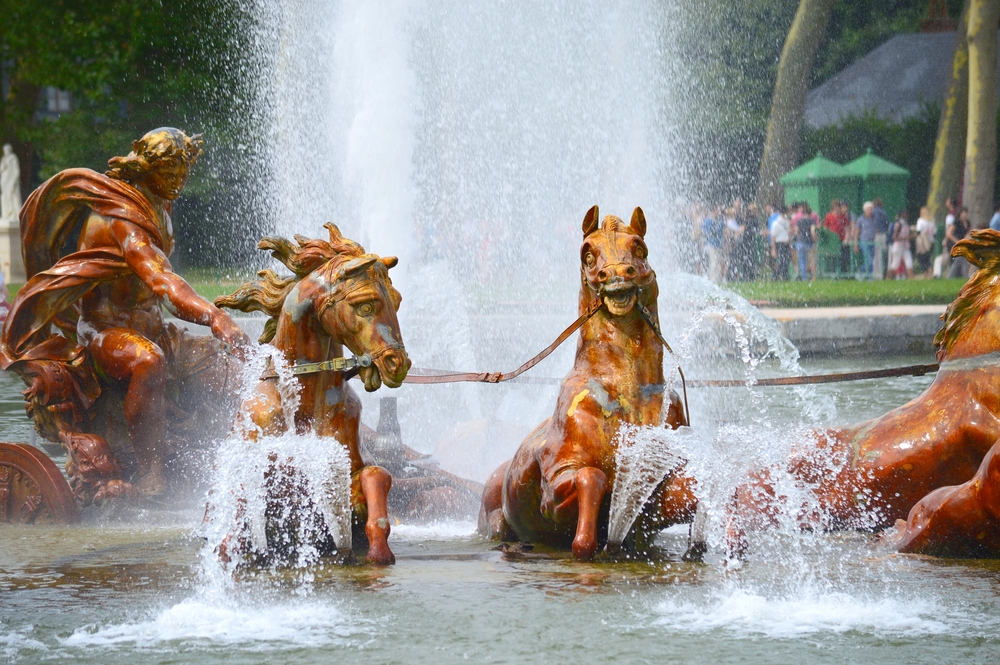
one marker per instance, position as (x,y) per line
(132,66)
(729,54)
(909,143)
(849,293)
(858,27)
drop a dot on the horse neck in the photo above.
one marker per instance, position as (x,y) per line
(305,341)
(980,336)
(971,321)
(620,348)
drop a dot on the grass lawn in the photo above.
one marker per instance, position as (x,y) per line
(209,286)
(821,293)
(848,292)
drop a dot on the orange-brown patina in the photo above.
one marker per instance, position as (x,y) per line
(555,489)
(337,296)
(88,322)
(872,474)
(958,521)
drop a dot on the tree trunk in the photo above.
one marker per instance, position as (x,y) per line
(781,149)
(981,142)
(949,150)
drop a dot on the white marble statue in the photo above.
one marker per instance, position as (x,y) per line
(10,186)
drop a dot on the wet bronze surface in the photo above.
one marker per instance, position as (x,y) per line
(122,390)
(339,296)
(556,489)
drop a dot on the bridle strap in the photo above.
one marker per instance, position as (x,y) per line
(651,322)
(498,377)
(332,365)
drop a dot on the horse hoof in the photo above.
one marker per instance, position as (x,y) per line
(584,550)
(695,553)
(380,556)
(152,485)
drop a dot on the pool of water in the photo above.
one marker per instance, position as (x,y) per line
(136,589)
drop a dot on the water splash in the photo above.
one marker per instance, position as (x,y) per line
(641,464)
(227,621)
(280,498)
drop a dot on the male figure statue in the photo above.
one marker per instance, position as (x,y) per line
(95,249)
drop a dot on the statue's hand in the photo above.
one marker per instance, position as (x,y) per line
(227,332)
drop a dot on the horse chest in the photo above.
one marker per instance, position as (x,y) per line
(611,406)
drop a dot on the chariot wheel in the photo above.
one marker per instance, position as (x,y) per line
(32,489)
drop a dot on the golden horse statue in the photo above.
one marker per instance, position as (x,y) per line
(555,489)
(337,296)
(871,474)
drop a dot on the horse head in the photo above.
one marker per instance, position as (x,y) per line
(359,309)
(613,262)
(970,322)
(347,290)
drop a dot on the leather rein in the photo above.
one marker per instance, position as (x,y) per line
(351,364)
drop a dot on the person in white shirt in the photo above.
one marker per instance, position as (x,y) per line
(781,250)
(926,229)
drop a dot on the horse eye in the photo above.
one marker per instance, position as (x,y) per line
(365,309)
(589,260)
(640,252)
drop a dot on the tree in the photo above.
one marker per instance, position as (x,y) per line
(949,149)
(981,140)
(132,66)
(781,148)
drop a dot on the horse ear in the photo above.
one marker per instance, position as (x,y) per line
(590,221)
(355,266)
(335,233)
(390,261)
(638,223)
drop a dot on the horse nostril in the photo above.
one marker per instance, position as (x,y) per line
(602,275)
(631,272)
(393,363)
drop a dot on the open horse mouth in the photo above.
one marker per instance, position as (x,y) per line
(620,298)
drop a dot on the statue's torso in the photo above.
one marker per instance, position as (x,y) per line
(126,302)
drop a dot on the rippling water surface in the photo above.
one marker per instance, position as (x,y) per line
(135,590)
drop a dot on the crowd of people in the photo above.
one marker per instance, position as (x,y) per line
(740,243)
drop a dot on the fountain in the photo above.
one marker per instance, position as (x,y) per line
(468,139)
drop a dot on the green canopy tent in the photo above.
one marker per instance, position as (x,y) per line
(882,179)
(819,181)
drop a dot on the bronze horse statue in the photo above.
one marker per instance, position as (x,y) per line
(337,296)
(555,489)
(961,521)
(871,474)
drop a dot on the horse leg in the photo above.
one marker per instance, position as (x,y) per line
(375,484)
(591,484)
(492,523)
(754,506)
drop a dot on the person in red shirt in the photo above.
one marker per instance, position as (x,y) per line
(839,223)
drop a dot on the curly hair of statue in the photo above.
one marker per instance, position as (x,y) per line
(163,146)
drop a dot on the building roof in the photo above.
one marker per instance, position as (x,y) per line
(894,81)
(818,168)
(870,164)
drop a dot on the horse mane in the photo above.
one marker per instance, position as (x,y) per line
(981,249)
(615,224)
(267,294)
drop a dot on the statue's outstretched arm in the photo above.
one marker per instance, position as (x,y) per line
(152,266)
